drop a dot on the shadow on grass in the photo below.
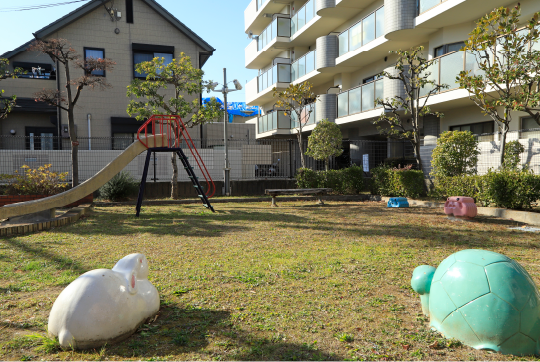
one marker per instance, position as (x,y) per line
(208,333)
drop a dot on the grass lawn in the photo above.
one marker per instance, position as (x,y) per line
(250,282)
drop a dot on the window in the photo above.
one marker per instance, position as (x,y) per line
(41,138)
(147,52)
(95,53)
(372,78)
(477,129)
(129,11)
(448,48)
(35,70)
(528,123)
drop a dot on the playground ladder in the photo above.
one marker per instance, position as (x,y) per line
(167,132)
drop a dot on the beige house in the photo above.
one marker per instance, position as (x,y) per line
(126,31)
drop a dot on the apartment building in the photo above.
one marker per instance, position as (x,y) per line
(126,31)
(342,46)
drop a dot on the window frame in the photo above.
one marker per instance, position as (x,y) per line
(484,134)
(148,49)
(96,49)
(444,47)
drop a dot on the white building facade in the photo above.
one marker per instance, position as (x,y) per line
(342,46)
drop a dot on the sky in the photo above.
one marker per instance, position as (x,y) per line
(219,23)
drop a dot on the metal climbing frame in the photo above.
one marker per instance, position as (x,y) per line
(163,133)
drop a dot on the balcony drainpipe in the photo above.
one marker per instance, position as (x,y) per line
(89,118)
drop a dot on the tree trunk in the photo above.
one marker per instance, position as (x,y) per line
(174,179)
(301,147)
(74,150)
(326,162)
(503,144)
(416,145)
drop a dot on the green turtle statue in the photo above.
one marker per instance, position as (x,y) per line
(484,299)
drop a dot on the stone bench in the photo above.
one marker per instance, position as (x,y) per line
(317,192)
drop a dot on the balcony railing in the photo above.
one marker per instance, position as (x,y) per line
(360,99)
(303,116)
(278,27)
(363,32)
(425,5)
(303,16)
(273,121)
(303,66)
(260,4)
(279,73)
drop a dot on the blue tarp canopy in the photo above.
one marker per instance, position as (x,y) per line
(237,108)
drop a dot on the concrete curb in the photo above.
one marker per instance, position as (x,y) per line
(69,217)
(244,200)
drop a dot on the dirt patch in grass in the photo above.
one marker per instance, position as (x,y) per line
(250,282)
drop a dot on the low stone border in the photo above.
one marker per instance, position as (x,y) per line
(526,217)
(69,217)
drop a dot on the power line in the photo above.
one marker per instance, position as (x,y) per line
(37,7)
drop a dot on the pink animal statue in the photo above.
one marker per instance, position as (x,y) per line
(460,206)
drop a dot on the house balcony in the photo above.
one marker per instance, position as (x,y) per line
(304,68)
(274,39)
(25,87)
(280,124)
(260,90)
(359,103)
(256,15)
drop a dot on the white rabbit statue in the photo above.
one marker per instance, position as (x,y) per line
(104,306)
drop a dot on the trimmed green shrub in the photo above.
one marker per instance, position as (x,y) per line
(511,189)
(464,185)
(456,154)
(306,178)
(400,162)
(403,182)
(347,181)
(120,187)
(511,154)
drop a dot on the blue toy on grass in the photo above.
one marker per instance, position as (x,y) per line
(482,298)
(398,202)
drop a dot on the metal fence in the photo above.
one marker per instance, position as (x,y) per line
(248,158)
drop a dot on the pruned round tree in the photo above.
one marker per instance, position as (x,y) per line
(325,141)
(456,154)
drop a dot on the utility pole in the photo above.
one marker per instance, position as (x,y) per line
(227,169)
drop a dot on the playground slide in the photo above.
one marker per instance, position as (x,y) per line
(87,187)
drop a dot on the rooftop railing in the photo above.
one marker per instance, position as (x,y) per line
(260,4)
(425,5)
(303,66)
(279,73)
(360,99)
(363,32)
(280,26)
(303,16)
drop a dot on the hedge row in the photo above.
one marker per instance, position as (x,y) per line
(507,188)
(348,181)
(397,182)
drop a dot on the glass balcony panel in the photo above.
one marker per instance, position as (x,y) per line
(472,65)
(379,90)
(274,29)
(379,22)
(274,74)
(368,96)
(536,45)
(259,125)
(284,73)
(434,76)
(294,22)
(343,43)
(284,27)
(343,104)
(310,10)
(284,122)
(274,120)
(355,35)
(310,62)
(294,120)
(294,71)
(301,67)
(451,65)
(368,29)
(301,18)
(425,5)
(355,104)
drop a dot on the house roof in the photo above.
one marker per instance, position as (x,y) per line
(94,4)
